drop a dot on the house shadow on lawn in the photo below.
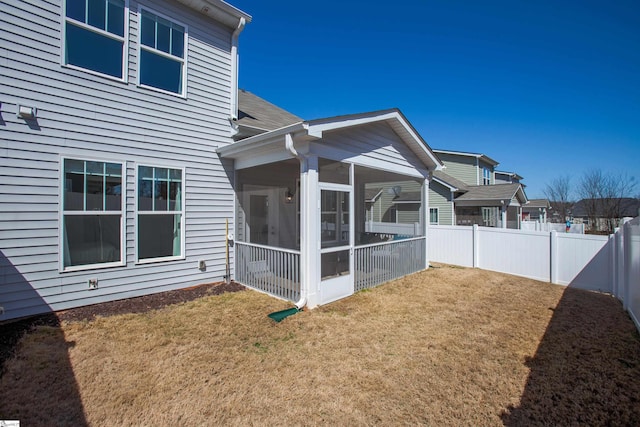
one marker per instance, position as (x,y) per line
(36,387)
(586,369)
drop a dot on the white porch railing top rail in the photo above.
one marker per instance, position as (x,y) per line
(390,242)
(255,245)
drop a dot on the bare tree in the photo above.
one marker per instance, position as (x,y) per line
(558,192)
(603,196)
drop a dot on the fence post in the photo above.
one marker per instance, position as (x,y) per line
(476,245)
(613,263)
(553,256)
(626,264)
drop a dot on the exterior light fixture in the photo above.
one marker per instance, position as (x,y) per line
(26,112)
(288,197)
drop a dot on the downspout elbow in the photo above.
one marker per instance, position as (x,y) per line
(288,143)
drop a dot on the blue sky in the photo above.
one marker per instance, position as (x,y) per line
(546,88)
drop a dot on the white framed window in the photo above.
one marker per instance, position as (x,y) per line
(160,213)
(92,219)
(162,53)
(95,36)
(486,176)
(433,216)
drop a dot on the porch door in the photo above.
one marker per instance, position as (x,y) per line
(262,217)
(336,238)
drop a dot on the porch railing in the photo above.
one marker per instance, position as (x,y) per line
(381,262)
(275,271)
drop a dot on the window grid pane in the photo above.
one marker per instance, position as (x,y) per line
(159,234)
(96,237)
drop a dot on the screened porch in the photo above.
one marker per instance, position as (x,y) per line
(384,244)
(315,222)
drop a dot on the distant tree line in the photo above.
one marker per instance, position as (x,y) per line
(603,197)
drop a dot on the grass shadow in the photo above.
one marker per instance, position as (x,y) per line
(586,368)
(36,387)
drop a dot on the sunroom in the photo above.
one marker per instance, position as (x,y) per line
(304,230)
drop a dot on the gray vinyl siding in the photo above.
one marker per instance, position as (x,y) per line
(384,203)
(375,144)
(463,168)
(85,116)
(440,197)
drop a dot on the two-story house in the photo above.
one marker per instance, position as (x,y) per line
(110,114)
(124,158)
(469,191)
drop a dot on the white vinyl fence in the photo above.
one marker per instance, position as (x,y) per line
(607,264)
(549,226)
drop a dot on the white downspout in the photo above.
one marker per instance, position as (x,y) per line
(288,142)
(233,113)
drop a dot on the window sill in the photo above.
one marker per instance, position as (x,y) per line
(156,260)
(87,267)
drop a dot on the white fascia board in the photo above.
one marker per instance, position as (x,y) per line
(260,140)
(219,10)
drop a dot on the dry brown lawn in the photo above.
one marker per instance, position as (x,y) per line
(448,346)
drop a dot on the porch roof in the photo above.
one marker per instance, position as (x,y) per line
(449,181)
(313,130)
(493,195)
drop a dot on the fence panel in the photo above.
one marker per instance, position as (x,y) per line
(523,253)
(584,261)
(271,270)
(631,232)
(451,244)
(381,262)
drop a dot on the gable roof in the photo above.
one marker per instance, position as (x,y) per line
(538,203)
(256,115)
(449,181)
(493,193)
(314,129)
(481,156)
(372,194)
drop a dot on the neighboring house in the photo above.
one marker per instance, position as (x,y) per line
(536,210)
(470,168)
(605,214)
(125,152)
(111,111)
(468,192)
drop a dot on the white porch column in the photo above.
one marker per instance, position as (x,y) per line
(503,213)
(309,223)
(426,217)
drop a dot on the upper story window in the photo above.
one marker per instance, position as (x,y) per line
(94,36)
(486,176)
(162,62)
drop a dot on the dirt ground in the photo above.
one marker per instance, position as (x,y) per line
(448,346)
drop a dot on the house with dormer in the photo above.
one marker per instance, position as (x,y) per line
(469,191)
